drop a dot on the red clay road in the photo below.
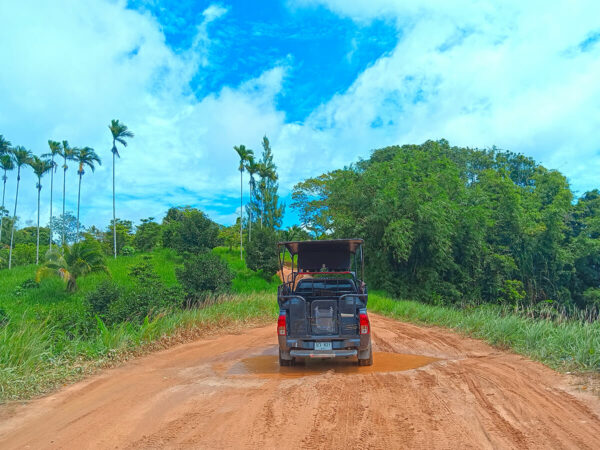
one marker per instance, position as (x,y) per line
(206,394)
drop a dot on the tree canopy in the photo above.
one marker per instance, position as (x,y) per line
(449,224)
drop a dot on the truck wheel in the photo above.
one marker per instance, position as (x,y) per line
(369,360)
(284,362)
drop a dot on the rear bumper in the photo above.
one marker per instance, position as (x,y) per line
(340,347)
(322,353)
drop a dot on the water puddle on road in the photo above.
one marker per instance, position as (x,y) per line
(268,365)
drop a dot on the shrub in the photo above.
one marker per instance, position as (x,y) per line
(69,322)
(261,252)
(127,250)
(24,286)
(592,297)
(24,254)
(148,298)
(204,273)
(100,299)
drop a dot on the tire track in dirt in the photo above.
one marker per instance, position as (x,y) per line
(199,395)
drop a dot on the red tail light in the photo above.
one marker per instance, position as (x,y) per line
(363,321)
(281,326)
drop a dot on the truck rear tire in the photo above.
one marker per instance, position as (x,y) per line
(368,361)
(284,362)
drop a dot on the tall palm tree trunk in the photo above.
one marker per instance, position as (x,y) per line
(4,178)
(63,213)
(37,247)
(12,232)
(51,192)
(114,214)
(241,211)
(78,201)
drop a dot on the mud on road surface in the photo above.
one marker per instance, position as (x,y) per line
(228,392)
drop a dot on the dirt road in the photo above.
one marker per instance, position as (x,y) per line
(228,392)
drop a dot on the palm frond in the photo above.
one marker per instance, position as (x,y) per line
(4,145)
(44,272)
(40,166)
(21,156)
(6,163)
(244,154)
(87,157)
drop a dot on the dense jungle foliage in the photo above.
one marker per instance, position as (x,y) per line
(446,224)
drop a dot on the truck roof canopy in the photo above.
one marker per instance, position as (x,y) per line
(334,254)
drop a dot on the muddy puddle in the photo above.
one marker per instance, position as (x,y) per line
(268,365)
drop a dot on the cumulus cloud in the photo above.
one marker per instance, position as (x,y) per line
(517,75)
(522,76)
(77,66)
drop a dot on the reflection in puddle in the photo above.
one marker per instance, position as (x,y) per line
(268,365)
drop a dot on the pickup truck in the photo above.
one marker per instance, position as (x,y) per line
(322,302)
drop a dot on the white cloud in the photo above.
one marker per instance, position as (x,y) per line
(75,67)
(478,74)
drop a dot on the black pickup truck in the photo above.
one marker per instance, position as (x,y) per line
(322,302)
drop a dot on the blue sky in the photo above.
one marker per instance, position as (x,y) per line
(323,51)
(326,80)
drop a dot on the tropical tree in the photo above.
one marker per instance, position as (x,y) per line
(21,156)
(40,167)
(67,153)
(267,174)
(244,154)
(4,146)
(119,133)
(6,164)
(252,167)
(55,150)
(75,261)
(85,157)
(265,203)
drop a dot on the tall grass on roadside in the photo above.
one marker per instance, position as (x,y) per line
(31,363)
(561,343)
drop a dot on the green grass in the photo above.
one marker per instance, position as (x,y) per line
(560,344)
(47,340)
(246,280)
(30,363)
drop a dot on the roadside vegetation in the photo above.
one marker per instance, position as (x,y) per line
(458,226)
(565,343)
(50,336)
(73,298)
(486,242)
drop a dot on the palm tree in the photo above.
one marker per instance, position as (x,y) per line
(78,260)
(244,154)
(252,167)
(4,146)
(119,132)
(55,149)
(67,153)
(6,164)
(85,157)
(20,156)
(40,167)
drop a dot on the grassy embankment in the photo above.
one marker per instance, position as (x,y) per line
(561,343)
(42,344)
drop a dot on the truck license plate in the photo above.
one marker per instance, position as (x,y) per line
(322,345)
